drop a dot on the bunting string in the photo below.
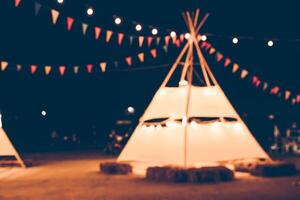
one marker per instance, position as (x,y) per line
(275,90)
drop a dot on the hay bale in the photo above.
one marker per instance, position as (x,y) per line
(274,169)
(192,175)
(115,168)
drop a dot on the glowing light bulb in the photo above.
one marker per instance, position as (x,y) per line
(138,27)
(194,124)
(237,127)
(154,31)
(158,127)
(44,113)
(184,121)
(60,1)
(90,11)
(173,34)
(216,127)
(187,36)
(144,127)
(130,110)
(163,92)
(235,40)
(183,83)
(270,43)
(118,21)
(203,37)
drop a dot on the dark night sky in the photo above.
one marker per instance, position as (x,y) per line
(76,103)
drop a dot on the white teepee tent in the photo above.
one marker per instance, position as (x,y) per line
(190,125)
(6,147)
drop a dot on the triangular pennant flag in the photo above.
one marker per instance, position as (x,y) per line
(76,69)
(212,51)
(70,22)
(177,43)
(37,8)
(203,44)
(19,67)
(181,37)
(174,39)
(120,38)
(141,57)
(33,69)
(103,66)
(298,98)
(97,32)
(257,83)
(157,40)
(275,90)
(108,36)
(4,65)
(165,48)
(62,70)
(244,73)
(167,40)
(208,46)
(84,28)
(129,60)
(235,67)
(48,69)
(219,56)
(54,14)
(153,53)
(141,41)
(254,79)
(89,68)
(227,62)
(265,87)
(17,3)
(294,101)
(287,94)
(116,64)
(150,39)
(130,40)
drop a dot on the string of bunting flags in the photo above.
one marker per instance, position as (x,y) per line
(89,68)
(275,90)
(108,35)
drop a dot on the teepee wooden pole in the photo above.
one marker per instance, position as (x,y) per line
(202,22)
(186,64)
(175,65)
(196,17)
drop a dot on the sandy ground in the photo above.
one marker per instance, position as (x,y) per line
(64,176)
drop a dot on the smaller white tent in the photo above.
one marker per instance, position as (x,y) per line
(6,147)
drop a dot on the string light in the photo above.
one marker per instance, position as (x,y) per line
(118,21)
(235,40)
(138,27)
(90,11)
(187,36)
(203,37)
(60,1)
(154,31)
(270,43)
(44,113)
(173,34)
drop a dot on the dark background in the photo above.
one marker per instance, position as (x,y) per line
(89,104)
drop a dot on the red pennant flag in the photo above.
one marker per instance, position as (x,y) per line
(254,79)
(203,44)
(219,56)
(89,68)
(97,32)
(153,52)
(33,68)
(167,40)
(62,70)
(298,98)
(17,3)
(227,62)
(257,83)
(70,22)
(208,46)
(129,60)
(120,38)
(275,90)
(177,43)
(181,37)
(150,41)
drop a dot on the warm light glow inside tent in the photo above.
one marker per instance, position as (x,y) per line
(190,125)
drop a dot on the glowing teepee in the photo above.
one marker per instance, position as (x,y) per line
(190,125)
(6,147)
